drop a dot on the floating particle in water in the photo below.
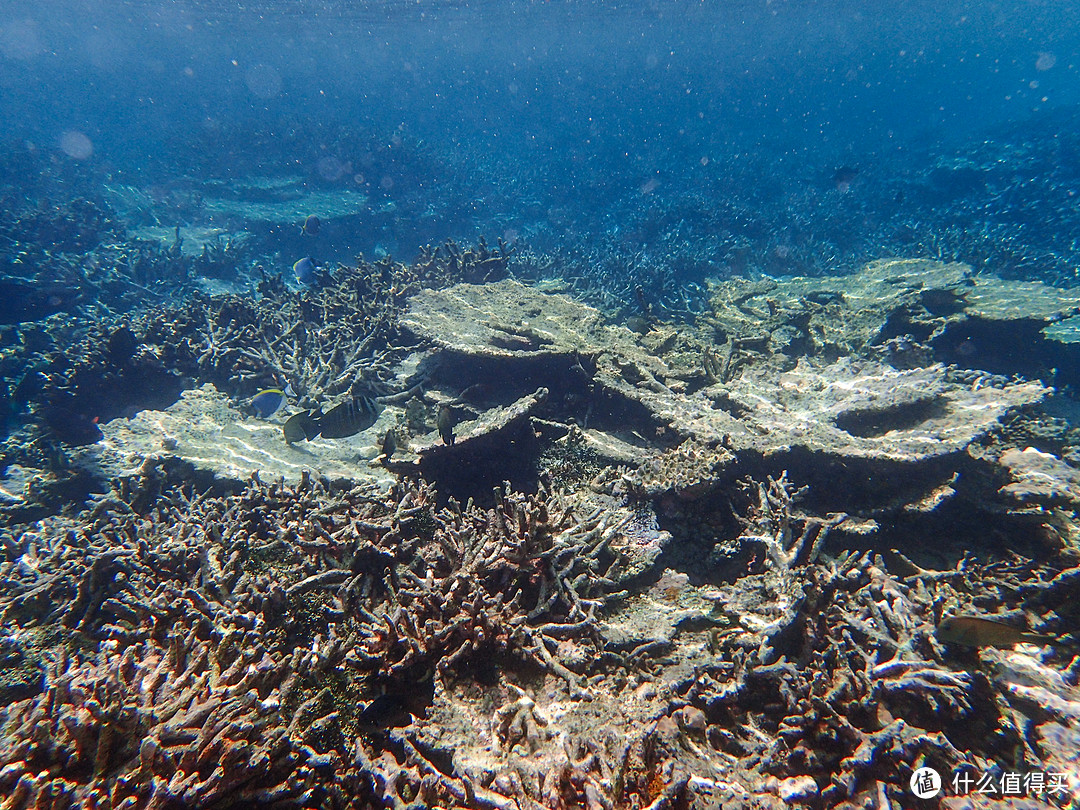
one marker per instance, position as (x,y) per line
(19,39)
(843,177)
(76,145)
(1045,60)
(332,169)
(263,81)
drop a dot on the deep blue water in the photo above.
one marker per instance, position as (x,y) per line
(646,132)
(542,76)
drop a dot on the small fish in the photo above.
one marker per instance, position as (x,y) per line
(445,423)
(350,417)
(304,270)
(384,711)
(268,402)
(389,445)
(975,631)
(300,427)
(311,226)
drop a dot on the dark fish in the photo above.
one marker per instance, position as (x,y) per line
(268,402)
(311,226)
(350,417)
(300,427)
(446,424)
(389,445)
(383,713)
(975,631)
(71,426)
(643,300)
(304,270)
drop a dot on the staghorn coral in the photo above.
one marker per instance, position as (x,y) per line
(835,675)
(228,611)
(511,580)
(195,723)
(323,340)
(340,646)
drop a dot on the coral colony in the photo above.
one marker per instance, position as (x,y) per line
(698,565)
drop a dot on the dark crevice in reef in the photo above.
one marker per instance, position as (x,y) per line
(109,376)
(513,453)
(572,396)
(506,455)
(853,484)
(953,524)
(1021,349)
(868,422)
(484,382)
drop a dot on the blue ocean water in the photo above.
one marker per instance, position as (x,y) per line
(662,142)
(178,179)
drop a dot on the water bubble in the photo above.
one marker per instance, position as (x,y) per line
(331,168)
(76,145)
(104,49)
(263,81)
(1045,61)
(19,39)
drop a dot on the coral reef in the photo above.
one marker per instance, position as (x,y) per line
(314,645)
(67,376)
(904,311)
(595,567)
(200,652)
(206,430)
(858,430)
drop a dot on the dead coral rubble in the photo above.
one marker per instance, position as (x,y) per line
(872,438)
(195,724)
(225,632)
(826,674)
(902,310)
(322,646)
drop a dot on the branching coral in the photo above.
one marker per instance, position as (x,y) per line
(224,630)
(196,723)
(324,341)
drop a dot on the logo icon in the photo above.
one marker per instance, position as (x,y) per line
(925,783)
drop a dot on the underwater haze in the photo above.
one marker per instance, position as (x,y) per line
(605,80)
(547,121)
